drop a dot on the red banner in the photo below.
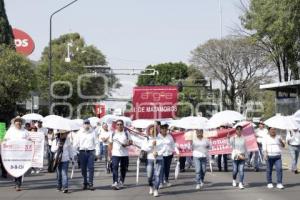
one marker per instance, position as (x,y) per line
(154,102)
(219,142)
(184,146)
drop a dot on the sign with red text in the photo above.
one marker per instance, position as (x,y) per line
(23,42)
(184,146)
(38,139)
(100,110)
(154,102)
(219,143)
(17,156)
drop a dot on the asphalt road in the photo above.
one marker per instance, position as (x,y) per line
(217,186)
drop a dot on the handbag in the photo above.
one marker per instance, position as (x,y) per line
(236,154)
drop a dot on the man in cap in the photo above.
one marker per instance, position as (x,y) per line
(87,143)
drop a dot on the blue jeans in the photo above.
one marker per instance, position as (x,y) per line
(154,175)
(87,159)
(238,167)
(294,151)
(49,157)
(167,160)
(224,162)
(101,149)
(123,161)
(62,175)
(257,157)
(274,160)
(200,169)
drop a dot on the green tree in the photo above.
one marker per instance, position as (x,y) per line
(164,74)
(194,84)
(275,27)
(17,79)
(6,34)
(81,55)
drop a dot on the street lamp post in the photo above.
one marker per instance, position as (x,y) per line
(50,51)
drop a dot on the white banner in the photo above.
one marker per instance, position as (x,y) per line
(38,139)
(17,156)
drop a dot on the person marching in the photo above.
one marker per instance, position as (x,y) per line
(169,144)
(118,143)
(63,146)
(155,149)
(87,142)
(293,141)
(239,153)
(48,141)
(104,138)
(223,157)
(200,147)
(260,133)
(272,154)
(16,131)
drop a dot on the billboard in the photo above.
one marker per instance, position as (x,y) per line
(154,102)
(24,43)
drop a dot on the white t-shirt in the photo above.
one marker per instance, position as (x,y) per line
(272,145)
(68,150)
(159,148)
(104,134)
(86,140)
(293,138)
(168,143)
(200,147)
(261,134)
(14,134)
(117,139)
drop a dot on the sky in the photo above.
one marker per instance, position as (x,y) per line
(130,33)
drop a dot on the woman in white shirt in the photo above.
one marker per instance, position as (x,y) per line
(239,153)
(293,141)
(200,146)
(155,149)
(169,144)
(104,136)
(15,132)
(272,153)
(62,145)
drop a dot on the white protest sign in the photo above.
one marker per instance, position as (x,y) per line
(17,156)
(38,139)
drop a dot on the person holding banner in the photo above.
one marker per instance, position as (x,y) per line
(272,154)
(15,132)
(169,145)
(88,144)
(62,145)
(238,154)
(223,156)
(118,143)
(49,138)
(200,147)
(155,149)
